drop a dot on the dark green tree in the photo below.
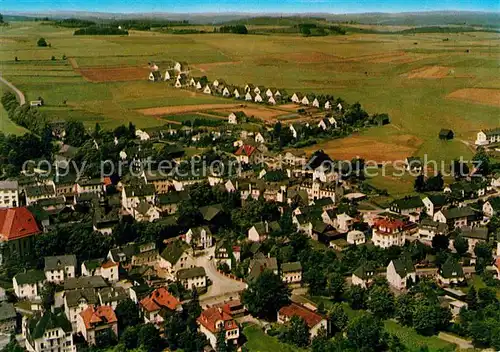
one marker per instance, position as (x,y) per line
(127,314)
(381,301)
(461,245)
(337,318)
(149,338)
(357,296)
(42,42)
(335,286)
(404,309)
(364,333)
(266,295)
(221,345)
(296,333)
(471,298)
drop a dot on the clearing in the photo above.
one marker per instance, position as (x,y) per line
(477,96)
(431,72)
(114,74)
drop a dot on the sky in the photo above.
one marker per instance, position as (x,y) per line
(257,6)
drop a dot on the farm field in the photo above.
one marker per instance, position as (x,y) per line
(425,81)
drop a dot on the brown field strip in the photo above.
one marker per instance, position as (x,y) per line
(166,110)
(477,95)
(113,74)
(430,72)
(369,148)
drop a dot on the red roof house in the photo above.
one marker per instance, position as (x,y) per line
(95,319)
(313,320)
(213,319)
(246,149)
(158,300)
(17,223)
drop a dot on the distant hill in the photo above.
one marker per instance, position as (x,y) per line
(437,18)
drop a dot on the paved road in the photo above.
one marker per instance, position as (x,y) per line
(20,95)
(462,343)
(222,288)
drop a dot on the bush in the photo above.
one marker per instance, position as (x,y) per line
(42,42)
(100,30)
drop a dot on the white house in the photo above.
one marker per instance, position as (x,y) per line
(48,333)
(291,273)
(434,203)
(271,101)
(58,268)
(388,232)
(427,229)
(363,275)
(176,256)
(259,138)
(328,105)
(401,273)
(343,222)
(269,93)
(108,269)
(199,237)
(236,93)
(207,89)
(456,217)
(28,284)
(248,96)
(296,98)
(169,74)
(9,194)
(258,98)
(195,277)
(450,273)
(485,137)
(356,237)
(315,103)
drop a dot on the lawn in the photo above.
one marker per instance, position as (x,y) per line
(408,336)
(478,283)
(258,341)
(7,125)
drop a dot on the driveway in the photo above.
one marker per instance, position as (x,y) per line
(19,94)
(222,288)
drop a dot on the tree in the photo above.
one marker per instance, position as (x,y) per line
(440,242)
(193,307)
(129,337)
(321,342)
(394,344)
(381,301)
(48,292)
(404,309)
(104,339)
(419,184)
(435,183)
(149,338)
(461,245)
(221,345)
(266,295)
(471,298)
(483,252)
(364,333)
(428,318)
(356,296)
(337,318)
(75,133)
(481,162)
(127,314)
(460,169)
(42,42)
(296,333)
(335,286)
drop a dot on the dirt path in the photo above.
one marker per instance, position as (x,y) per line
(73,63)
(462,343)
(20,95)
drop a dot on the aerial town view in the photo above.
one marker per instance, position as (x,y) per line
(267,176)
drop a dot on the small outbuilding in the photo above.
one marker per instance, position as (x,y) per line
(446,134)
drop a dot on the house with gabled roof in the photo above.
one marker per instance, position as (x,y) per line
(248,154)
(227,91)
(327,123)
(407,205)
(259,264)
(401,273)
(450,273)
(291,273)
(48,332)
(315,321)
(191,278)
(157,302)
(363,276)
(169,74)
(356,237)
(485,137)
(473,235)
(154,76)
(269,92)
(258,98)
(328,105)
(38,192)
(249,96)
(176,256)
(133,194)
(218,82)
(236,116)
(106,268)
(316,103)
(492,206)
(297,98)
(181,66)
(76,301)
(428,228)
(57,268)
(259,90)
(259,231)
(207,89)
(457,216)
(181,81)
(199,237)
(434,203)
(18,229)
(94,321)
(215,319)
(169,202)
(271,100)
(307,99)
(28,284)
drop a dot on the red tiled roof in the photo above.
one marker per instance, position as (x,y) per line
(158,299)
(109,264)
(107,181)
(312,319)
(246,149)
(17,223)
(211,317)
(101,314)
(497,263)
(389,225)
